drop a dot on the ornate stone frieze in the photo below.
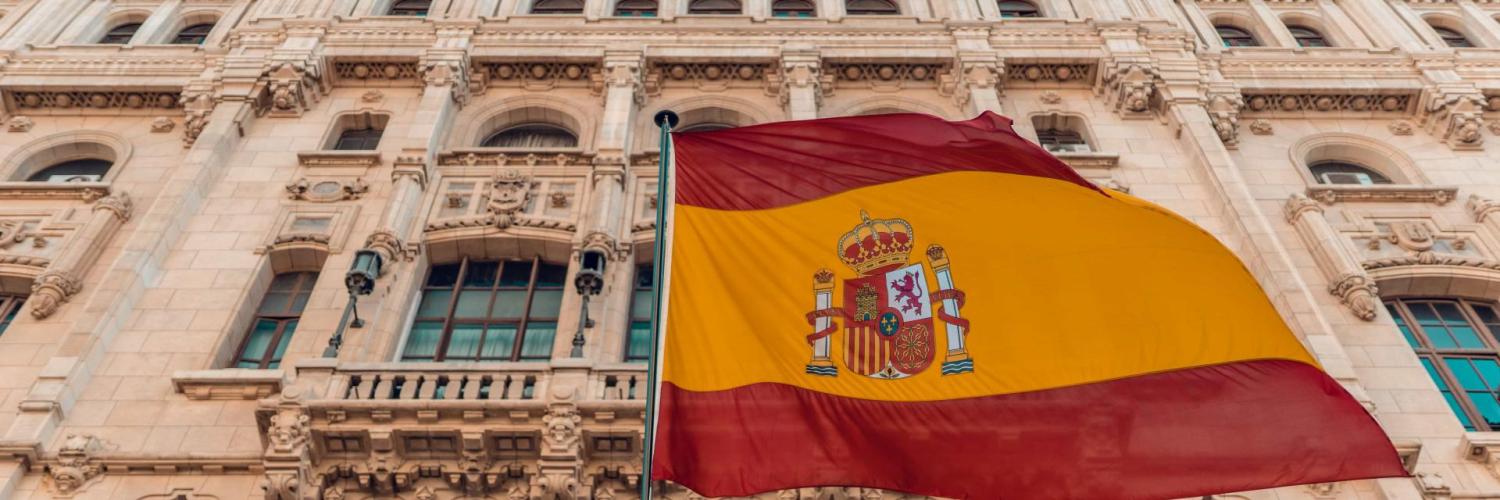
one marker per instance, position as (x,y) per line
(286,460)
(708,76)
(1330,194)
(1257,102)
(76,466)
(404,73)
(81,100)
(535,75)
(1022,72)
(326,190)
(882,76)
(462,158)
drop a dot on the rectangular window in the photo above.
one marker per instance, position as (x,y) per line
(364,139)
(638,337)
(275,320)
(487,311)
(10,305)
(1455,339)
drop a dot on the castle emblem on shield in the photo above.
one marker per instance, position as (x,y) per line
(890,307)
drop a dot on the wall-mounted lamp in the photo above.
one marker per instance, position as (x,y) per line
(589,281)
(360,280)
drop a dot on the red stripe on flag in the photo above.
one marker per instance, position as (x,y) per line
(1186,433)
(779,164)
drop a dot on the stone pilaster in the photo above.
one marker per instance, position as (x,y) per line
(977,72)
(1347,279)
(801,86)
(62,279)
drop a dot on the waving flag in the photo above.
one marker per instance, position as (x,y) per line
(943,308)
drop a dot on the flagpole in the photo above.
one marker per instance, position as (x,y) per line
(664,120)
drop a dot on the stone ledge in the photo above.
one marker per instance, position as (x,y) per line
(84,191)
(331,159)
(1408,193)
(228,383)
(1090,161)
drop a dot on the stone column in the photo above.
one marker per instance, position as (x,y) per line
(154,30)
(1340,21)
(1485,211)
(1273,24)
(63,276)
(1479,23)
(1199,22)
(801,85)
(86,19)
(1347,279)
(1380,22)
(1425,38)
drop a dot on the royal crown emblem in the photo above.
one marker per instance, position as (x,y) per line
(889,308)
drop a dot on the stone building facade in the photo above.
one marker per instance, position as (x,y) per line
(184,185)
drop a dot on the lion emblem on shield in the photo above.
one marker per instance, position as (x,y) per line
(889,307)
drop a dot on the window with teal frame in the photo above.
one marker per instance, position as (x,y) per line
(478,310)
(1456,339)
(10,306)
(638,338)
(275,321)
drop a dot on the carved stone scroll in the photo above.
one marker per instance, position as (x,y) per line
(1347,279)
(61,279)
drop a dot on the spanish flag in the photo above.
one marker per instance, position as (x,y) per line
(943,308)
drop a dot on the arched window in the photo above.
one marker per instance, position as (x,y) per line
(193,35)
(1235,37)
(1308,37)
(871,8)
(1458,342)
(10,305)
(487,311)
(636,8)
(1339,172)
(705,127)
(275,320)
(85,170)
(557,7)
(415,8)
(1018,8)
(121,34)
(361,139)
(532,135)
(793,8)
(1062,141)
(716,7)
(1452,37)
(638,340)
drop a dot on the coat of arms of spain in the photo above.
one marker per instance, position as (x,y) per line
(888,307)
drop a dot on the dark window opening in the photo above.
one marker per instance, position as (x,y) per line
(642,301)
(414,8)
(714,7)
(10,305)
(1017,8)
(1062,141)
(557,7)
(121,34)
(487,311)
(85,170)
(793,8)
(871,8)
(364,139)
(193,35)
(1453,38)
(1235,37)
(1308,37)
(1338,172)
(532,135)
(636,8)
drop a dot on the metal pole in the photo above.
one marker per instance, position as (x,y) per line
(665,120)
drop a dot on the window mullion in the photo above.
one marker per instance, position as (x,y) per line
(536,265)
(265,357)
(458,286)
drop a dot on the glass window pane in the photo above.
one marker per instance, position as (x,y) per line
(299,301)
(286,338)
(516,273)
(551,275)
(640,305)
(1489,369)
(499,341)
(443,275)
(1424,313)
(546,303)
(285,281)
(275,303)
(1464,372)
(537,344)
(639,345)
(1462,417)
(481,274)
(463,345)
(434,304)
(1487,406)
(422,343)
(508,304)
(1486,313)
(1467,337)
(472,304)
(258,340)
(1450,313)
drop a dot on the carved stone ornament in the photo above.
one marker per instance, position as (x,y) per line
(972,77)
(290,90)
(372,96)
(197,109)
(19,124)
(425,493)
(558,200)
(11,232)
(288,432)
(76,467)
(561,435)
(1401,127)
(119,204)
(449,74)
(1479,207)
(162,125)
(50,290)
(554,485)
(1459,118)
(1224,113)
(1134,88)
(1261,127)
(1324,491)
(509,193)
(1359,293)
(326,190)
(1432,484)
(390,247)
(799,74)
(602,241)
(1050,97)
